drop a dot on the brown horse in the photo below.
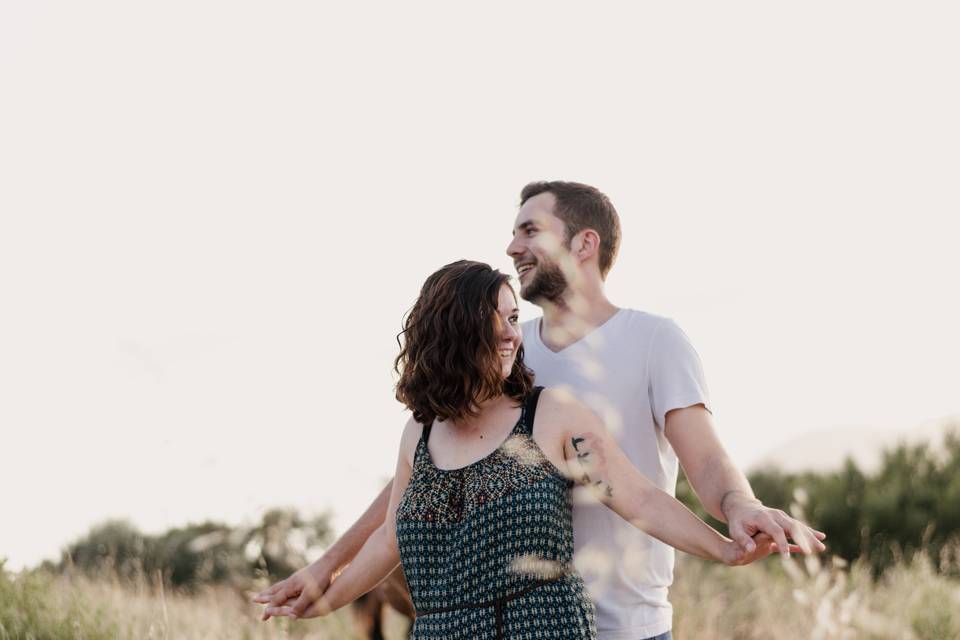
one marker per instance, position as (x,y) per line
(368,609)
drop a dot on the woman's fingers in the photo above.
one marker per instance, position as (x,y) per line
(266,594)
(771,527)
(286,603)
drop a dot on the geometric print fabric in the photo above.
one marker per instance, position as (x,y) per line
(487,532)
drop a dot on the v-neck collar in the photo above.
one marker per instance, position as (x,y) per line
(584,338)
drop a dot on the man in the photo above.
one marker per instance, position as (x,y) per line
(640,374)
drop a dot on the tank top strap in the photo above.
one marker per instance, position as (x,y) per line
(421,451)
(529,411)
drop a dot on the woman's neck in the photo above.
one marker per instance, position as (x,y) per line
(483,410)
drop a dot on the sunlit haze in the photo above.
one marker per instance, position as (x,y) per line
(213,216)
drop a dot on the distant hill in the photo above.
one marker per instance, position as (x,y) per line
(826,450)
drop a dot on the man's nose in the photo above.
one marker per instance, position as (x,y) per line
(514,248)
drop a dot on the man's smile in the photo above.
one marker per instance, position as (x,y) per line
(524,268)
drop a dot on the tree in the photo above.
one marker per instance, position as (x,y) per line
(200,554)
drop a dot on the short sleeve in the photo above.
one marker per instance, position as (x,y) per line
(674,373)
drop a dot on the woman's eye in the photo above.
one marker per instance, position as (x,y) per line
(514,319)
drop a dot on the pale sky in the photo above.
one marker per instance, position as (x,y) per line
(214,215)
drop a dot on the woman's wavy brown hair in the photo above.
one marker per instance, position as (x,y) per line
(449,358)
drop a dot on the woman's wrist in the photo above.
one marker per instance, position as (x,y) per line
(331,562)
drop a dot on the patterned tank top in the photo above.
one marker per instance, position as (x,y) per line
(487,548)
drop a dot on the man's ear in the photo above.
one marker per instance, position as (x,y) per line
(586,244)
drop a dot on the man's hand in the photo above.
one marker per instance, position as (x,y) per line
(747,517)
(295,596)
(735,555)
(725,492)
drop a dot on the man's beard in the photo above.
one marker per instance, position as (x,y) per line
(548,284)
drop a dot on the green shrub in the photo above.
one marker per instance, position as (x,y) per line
(195,555)
(32,608)
(912,503)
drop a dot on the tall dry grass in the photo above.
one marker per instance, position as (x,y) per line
(803,599)
(40,606)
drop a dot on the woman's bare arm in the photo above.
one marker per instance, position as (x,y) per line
(592,458)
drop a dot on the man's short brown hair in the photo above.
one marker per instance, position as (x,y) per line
(580,207)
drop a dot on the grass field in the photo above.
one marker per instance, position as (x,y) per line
(772,600)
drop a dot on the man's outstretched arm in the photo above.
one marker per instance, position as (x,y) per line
(315,578)
(723,489)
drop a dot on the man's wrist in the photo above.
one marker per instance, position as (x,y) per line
(735,498)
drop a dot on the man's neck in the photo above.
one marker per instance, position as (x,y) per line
(572,318)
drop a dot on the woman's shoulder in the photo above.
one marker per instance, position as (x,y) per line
(410,438)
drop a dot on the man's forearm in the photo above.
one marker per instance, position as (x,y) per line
(720,484)
(713,476)
(349,544)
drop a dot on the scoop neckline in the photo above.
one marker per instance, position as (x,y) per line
(513,431)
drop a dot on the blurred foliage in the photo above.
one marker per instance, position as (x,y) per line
(911,503)
(36,604)
(28,612)
(797,598)
(199,554)
(816,599)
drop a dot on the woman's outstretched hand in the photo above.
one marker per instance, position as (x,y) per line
(319,608)
(294,596)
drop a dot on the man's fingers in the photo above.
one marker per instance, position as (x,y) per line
(746,543)
(770,526)
(818,543)
(765,546)
(742,538)
(804,536)
(799,534)
(788,534)
(762,538)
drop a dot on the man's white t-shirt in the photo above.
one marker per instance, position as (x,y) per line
(630,371)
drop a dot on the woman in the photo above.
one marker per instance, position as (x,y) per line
(480,511)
